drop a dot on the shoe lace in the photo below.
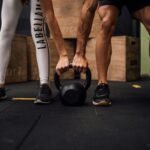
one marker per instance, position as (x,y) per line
(102,89)
(45,89)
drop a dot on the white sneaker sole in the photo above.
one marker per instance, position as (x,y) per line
(38,101)
(102,103)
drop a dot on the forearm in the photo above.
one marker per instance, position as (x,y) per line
(57,36)
(53,26)
(85,25)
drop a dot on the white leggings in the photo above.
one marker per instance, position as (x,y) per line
(11,10)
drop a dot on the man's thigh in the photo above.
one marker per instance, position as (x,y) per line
(109,12)
(143,15)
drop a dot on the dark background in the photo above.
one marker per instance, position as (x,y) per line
(125,26)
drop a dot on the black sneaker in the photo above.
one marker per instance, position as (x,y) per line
(44,95)
(2,94)
(101,95)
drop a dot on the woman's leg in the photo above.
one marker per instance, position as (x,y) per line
(39,37)
(11,10)
(42,51)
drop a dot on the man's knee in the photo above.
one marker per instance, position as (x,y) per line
(108,15)
(145,19)
(146,23)
(107,26)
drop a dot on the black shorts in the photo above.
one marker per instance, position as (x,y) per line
(132,5)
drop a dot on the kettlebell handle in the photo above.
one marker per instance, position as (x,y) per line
(87,82)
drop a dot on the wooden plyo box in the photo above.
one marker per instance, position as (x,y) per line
(17,68)
(33,74)
(67,13)
(125,60)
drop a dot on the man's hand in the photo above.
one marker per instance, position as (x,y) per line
(62,65)
(79,63)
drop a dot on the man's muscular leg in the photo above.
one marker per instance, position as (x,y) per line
(108,15)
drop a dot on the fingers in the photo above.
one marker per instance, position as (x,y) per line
(62,65)
(62,68)
(84,70)
(80,66)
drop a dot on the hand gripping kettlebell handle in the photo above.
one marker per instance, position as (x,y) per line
(87,82)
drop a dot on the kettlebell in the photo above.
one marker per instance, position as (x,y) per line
(73,94)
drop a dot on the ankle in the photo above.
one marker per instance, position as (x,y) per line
(102,82)
(48,84)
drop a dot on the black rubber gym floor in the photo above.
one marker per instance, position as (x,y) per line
(123,126)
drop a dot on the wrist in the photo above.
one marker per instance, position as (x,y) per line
(80,53)
(64,55)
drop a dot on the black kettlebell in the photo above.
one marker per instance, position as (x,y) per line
(73,94)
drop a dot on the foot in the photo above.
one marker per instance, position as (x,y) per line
(101,95)
(44,95)
(2,94)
